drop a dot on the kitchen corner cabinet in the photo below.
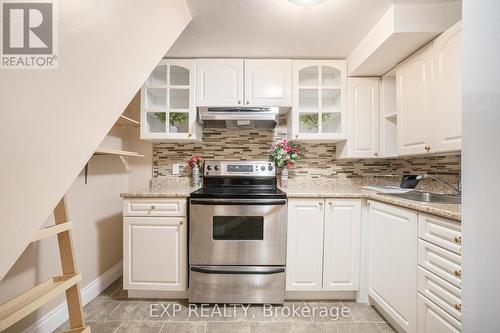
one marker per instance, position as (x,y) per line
(168,111)
(429,97)
(319,100)
(362,119)
(155,244)
(323,244)
(393,262)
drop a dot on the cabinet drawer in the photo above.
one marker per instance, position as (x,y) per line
(443,293)
(433,319)
(443,263)
(156,207)
(441,232)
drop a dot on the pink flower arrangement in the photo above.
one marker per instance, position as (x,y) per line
(286,154)
(195,161)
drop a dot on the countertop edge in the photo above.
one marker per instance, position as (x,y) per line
(413,205)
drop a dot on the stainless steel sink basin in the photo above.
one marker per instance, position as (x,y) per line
(427,197)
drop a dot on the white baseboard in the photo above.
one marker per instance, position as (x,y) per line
(59,314)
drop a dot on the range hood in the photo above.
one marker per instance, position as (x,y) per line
(238,117)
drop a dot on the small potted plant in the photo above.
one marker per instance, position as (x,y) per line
(285,155)
(195,163)
(176,119)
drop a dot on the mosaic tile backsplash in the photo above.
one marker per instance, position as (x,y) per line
(319,162)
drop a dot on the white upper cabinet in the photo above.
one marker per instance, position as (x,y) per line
(362,119)
(319,100)
(219,82)
(268,82)
(168,111)
(342,244)
(414,88)
(447,113)
(304,259)
(429,97)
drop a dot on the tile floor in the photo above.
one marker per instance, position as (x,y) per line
(113,312)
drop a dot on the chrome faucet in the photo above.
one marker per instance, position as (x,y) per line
(455,188)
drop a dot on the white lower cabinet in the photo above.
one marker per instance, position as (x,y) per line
(155,253)
(304,259)
(393,262)
(433,319)
(323,244)
(342,244)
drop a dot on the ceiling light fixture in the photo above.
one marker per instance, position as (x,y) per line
(306,3)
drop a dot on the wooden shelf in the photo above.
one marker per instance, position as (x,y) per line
(391,116)
(52,230)
(126,121)
(109,151)
(28,302)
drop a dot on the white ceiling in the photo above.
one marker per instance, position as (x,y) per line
(276,28)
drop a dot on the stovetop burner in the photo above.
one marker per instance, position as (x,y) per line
(238,192)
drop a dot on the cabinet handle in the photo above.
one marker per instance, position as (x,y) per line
(248,102)
(296,135)
(458,240)
(458,307)
(428,148)
(239,102)
(190,135)
(375,154)
(153,207)
(320,203)
(330,203)
(181,222)
(458,273)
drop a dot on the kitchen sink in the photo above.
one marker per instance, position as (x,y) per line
(427,197)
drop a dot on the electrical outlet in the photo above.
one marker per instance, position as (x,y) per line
(176,168)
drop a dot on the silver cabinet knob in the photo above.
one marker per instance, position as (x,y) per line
(330,203)
(153,207)
(248,102)
(239,102)
(320,203)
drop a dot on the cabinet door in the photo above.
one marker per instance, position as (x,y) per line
(268,82)
(219,82)
(168,103)
(155,253)
(304,260)
(362,115)
(433,319)
(319,100)
(342,244)
(413,79)
(393,262)
(447,111)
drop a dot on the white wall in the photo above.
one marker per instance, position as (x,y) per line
(53,120)
(480,166)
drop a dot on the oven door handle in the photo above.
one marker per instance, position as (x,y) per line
(239,202)
(236,270)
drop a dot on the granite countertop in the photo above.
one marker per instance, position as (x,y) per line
(170,191)
(449,211)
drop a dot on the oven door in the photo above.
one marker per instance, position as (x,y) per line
(237,232)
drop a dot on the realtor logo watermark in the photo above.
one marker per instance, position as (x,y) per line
(29,35)
(243,311)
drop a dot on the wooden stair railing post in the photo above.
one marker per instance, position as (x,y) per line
(68,263)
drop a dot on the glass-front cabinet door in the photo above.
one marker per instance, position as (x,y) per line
(168,111)
(319,100)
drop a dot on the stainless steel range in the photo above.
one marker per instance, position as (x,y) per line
(237,235)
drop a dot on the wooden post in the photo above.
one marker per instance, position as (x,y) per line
(68,263)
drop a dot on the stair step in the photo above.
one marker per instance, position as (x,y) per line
(52,230)
(28,302)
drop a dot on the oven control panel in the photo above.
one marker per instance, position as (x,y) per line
(239,168)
